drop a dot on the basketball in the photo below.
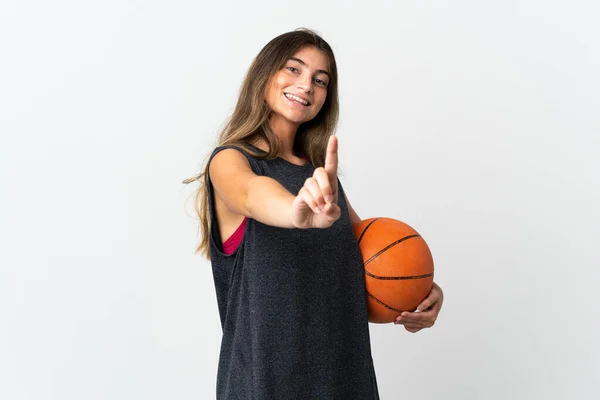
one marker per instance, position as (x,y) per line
(398,267)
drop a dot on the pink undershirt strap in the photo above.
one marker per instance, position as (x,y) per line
(235,239)
(232,243)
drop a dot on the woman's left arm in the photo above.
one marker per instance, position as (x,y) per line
(426,313)
(354,218)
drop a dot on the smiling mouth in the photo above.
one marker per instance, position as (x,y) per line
(296,99)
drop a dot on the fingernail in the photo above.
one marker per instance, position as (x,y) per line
(329,198)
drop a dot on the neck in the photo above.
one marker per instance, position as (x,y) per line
(286,132)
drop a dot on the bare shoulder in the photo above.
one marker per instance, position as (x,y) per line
(230,172)
(227,161)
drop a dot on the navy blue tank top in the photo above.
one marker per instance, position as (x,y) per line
(292,305)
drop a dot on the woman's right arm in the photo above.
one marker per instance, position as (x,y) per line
(266,200)
(243,192)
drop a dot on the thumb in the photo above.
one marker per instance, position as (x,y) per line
(425,304)
(332,211)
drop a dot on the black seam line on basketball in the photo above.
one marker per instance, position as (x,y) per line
(365,230)
(398,278)
(383,304)
(390,245)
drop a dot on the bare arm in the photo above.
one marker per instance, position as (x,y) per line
(243,192)
(266,200)
(354,218)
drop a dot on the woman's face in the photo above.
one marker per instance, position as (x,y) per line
(297,92)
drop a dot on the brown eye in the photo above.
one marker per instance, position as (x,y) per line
(321,82)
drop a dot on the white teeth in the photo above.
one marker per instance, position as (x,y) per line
(296,98)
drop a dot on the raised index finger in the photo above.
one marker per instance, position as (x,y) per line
(331,158)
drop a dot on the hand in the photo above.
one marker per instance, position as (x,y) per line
(426,314)
(316,206)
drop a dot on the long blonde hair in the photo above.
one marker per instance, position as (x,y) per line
(250,118)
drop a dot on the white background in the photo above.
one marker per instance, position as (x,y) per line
(475,122)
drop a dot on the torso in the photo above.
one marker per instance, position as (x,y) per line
(291,304)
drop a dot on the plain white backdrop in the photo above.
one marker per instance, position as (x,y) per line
(475,122)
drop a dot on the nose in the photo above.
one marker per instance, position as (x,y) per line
(305,84)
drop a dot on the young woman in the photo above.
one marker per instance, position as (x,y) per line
(277,227)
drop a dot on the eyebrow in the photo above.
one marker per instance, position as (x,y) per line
(319,70)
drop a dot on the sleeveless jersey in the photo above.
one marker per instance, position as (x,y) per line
(292,304)
(235,239)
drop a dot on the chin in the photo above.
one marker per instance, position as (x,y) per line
(295,118)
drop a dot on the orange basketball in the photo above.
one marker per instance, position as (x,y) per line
(398,267)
